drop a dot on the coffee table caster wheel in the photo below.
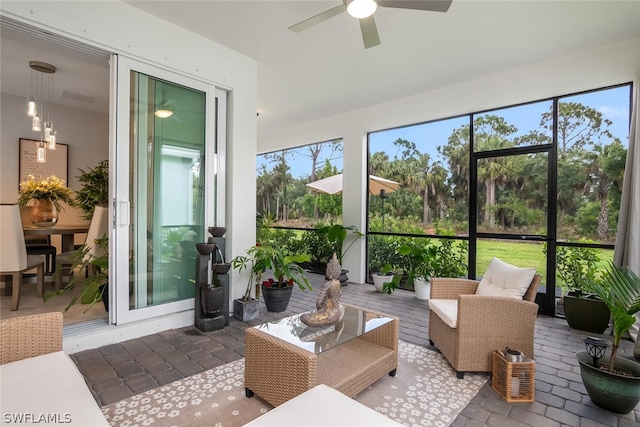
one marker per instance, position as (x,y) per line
(393,373)
(248,392)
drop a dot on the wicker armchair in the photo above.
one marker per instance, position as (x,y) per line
(484,324)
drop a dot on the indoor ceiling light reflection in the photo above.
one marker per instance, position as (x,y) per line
(163,114)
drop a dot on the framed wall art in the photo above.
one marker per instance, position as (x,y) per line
(56,164)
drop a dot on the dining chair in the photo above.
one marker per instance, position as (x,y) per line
(98,228)
(14,261)
(39,245)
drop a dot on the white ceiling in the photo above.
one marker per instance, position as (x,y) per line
(325,70)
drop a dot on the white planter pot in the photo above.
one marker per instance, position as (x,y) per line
(422,288)
(379,280)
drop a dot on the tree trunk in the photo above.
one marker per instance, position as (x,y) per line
(489,214)
(603,218)
(425,207)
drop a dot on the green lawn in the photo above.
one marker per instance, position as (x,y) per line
(522,254)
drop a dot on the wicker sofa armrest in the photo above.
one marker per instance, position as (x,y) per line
(449,288)
(29,336)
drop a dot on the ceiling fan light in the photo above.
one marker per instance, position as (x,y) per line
(163,114)
(361,8)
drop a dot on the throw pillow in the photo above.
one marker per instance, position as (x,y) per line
(505,280)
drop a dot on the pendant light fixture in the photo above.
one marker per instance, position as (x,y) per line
(38,123)
(163,111)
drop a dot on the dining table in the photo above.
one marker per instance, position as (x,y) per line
(67,233)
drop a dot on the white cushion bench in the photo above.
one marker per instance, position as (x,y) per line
(39,383)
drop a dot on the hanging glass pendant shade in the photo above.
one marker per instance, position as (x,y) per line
(31,108)
(52,140)
(41,153)
(35,124)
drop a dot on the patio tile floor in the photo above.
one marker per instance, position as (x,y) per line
(121,370)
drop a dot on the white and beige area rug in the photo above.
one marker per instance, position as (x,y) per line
(425,392)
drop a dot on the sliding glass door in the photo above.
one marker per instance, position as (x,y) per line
(166,156)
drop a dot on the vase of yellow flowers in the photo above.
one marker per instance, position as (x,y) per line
(47,194)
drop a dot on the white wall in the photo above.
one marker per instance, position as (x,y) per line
(614,64)
(119,28)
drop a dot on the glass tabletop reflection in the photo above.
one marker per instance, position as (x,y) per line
(355,322)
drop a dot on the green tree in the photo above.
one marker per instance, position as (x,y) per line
(492,133)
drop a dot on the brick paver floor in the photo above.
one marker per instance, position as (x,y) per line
(117,371)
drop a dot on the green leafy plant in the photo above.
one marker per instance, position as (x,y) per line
(576,267)
(95,188)
(92,286)
(284,266)
(336,234)
(420,258)
(50,188)
(619,288)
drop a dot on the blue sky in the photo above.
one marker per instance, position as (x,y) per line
(612,103)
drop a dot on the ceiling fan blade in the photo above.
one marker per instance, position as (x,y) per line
(369,32)
(430,5)
(308,23)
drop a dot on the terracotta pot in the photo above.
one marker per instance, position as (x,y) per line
(44,213)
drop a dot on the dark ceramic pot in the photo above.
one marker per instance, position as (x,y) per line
(615,393)
(586,314)
(277,299)
(211,298)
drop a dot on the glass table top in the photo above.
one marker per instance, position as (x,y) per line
(322,338)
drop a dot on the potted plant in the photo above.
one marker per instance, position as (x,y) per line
(614,385)
(384,277)
(247,307)
(577,267)
(418,268)
(93,286)
(48,194)
(95,188)
(336,234)
(286,272)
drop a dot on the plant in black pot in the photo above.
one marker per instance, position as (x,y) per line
(613,383)
(576,268)
(277,290)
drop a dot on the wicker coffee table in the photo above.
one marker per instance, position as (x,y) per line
(285,358)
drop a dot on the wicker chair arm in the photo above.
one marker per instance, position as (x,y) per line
(478,314)
(450,288)
(29,336)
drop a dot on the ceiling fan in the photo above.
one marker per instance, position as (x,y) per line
(364,9)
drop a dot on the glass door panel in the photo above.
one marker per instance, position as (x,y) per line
(166,191)
(166,166)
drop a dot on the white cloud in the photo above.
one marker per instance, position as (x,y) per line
(613,112)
